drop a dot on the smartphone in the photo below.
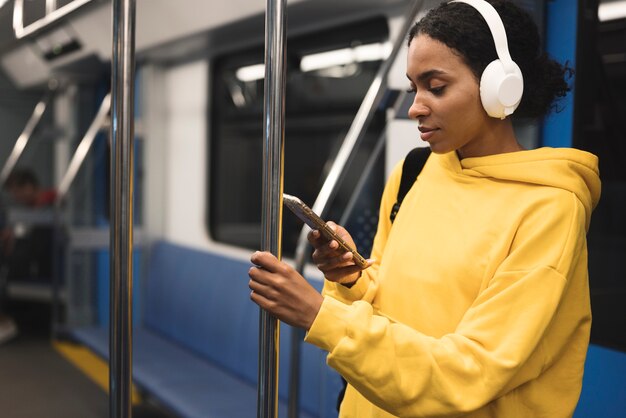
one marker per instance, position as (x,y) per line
(310,218)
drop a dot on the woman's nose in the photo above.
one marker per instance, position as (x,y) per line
(418,109)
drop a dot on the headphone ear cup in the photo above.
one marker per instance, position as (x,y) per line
(501,92)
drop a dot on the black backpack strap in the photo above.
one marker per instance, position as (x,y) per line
(412,166)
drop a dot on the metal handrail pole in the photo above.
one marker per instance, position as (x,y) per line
(58,268)
(328,190)
(52,15)
(273,158)
(121,232)
(24,137)
(83,148)
(356,132)
(51,6)
(369,166)
(60,239)
(297,334)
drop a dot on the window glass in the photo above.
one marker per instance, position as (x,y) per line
(328,75)
(600,129)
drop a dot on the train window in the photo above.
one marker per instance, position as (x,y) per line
(328,75)
(600,129)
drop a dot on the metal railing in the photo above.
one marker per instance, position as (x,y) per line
(52,15)
(63,239)
(25,136)
(271,218)
(331,184)
(121,247)
(98,123)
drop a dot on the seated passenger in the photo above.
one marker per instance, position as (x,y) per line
(23,186)
(28,256)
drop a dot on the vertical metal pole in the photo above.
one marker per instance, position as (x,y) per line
(122,88)
(353,138)
(51,6)
(273,153)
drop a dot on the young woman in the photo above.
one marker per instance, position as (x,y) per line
(476,302)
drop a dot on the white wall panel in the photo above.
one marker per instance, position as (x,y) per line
(402,137)
(154,121)
(185,152)
(174,117)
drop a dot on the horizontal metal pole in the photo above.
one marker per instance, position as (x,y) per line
(88,239)
(52,15)
(30,216)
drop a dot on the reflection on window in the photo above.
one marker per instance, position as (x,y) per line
(328,75)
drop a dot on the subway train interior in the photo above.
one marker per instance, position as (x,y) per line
(196,178)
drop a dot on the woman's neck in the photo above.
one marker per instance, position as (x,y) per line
(499,139)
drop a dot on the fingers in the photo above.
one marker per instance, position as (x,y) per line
(260,276)
(328,259)
(344,274)
(261,291)
(263,288)
(330,249)
(269,273)
(317,240)
(279,289)
(262,295)
(326,254)
(266,260)
(332,260)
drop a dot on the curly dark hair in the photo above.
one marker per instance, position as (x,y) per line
(463,29)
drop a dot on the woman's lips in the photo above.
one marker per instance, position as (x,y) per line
(426,132)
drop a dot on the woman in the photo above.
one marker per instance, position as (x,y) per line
(476,302)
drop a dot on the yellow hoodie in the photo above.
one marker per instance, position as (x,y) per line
(478,305)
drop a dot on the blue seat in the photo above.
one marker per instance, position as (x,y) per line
(196,349)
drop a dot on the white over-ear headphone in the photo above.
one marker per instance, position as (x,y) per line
(501,84)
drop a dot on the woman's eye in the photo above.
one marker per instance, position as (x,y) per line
(437,91)
(411,90)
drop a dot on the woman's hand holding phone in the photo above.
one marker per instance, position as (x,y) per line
(332,260)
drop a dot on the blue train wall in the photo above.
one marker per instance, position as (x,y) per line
(604,383)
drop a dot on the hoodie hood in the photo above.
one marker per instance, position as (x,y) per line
(566,168)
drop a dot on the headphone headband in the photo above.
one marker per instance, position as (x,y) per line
(491,16)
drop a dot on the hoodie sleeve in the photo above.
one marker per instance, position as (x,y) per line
(365,288)
(408,373)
